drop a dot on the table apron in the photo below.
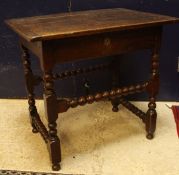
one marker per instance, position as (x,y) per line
(106,44)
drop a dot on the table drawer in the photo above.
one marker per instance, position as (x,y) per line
(99,45)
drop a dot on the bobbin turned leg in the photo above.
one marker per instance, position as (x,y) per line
(29,77)
(153,88)
(52,115)
(115,82)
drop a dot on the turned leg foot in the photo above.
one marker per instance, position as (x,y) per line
(34,130)
(115,104)
(151,120)
(55,153)
(32,112)
(115,109)
(56,167)
(149,136)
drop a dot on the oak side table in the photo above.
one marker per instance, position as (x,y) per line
(67,37)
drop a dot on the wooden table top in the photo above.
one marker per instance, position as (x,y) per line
(84,22)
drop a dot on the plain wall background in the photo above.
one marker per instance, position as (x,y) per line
(133,67)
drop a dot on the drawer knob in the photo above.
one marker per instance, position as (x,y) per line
(107,42)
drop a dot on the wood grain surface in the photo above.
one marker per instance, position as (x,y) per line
(84,23)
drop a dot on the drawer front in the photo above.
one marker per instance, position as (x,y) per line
(100,45)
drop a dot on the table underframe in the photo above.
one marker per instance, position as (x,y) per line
(54,105)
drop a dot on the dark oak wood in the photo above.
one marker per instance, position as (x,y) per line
(115,81)
(85,23)
(153,89)
(133,109)
(98,45)
(64,104)
(68,37)
(50,100)
(29,77)
(79,71)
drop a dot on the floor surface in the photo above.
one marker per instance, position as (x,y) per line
(94,140)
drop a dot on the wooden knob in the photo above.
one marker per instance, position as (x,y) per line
(82,101)
(74,103)
(118,91)
(90,99)
(112,93)
(98,97)
(125,90)
(105,94)
(107,42)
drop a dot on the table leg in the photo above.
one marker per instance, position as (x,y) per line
(29,85)
(50,100)
(153,88)
(115,82)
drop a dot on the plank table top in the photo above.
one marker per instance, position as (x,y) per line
(81,23)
